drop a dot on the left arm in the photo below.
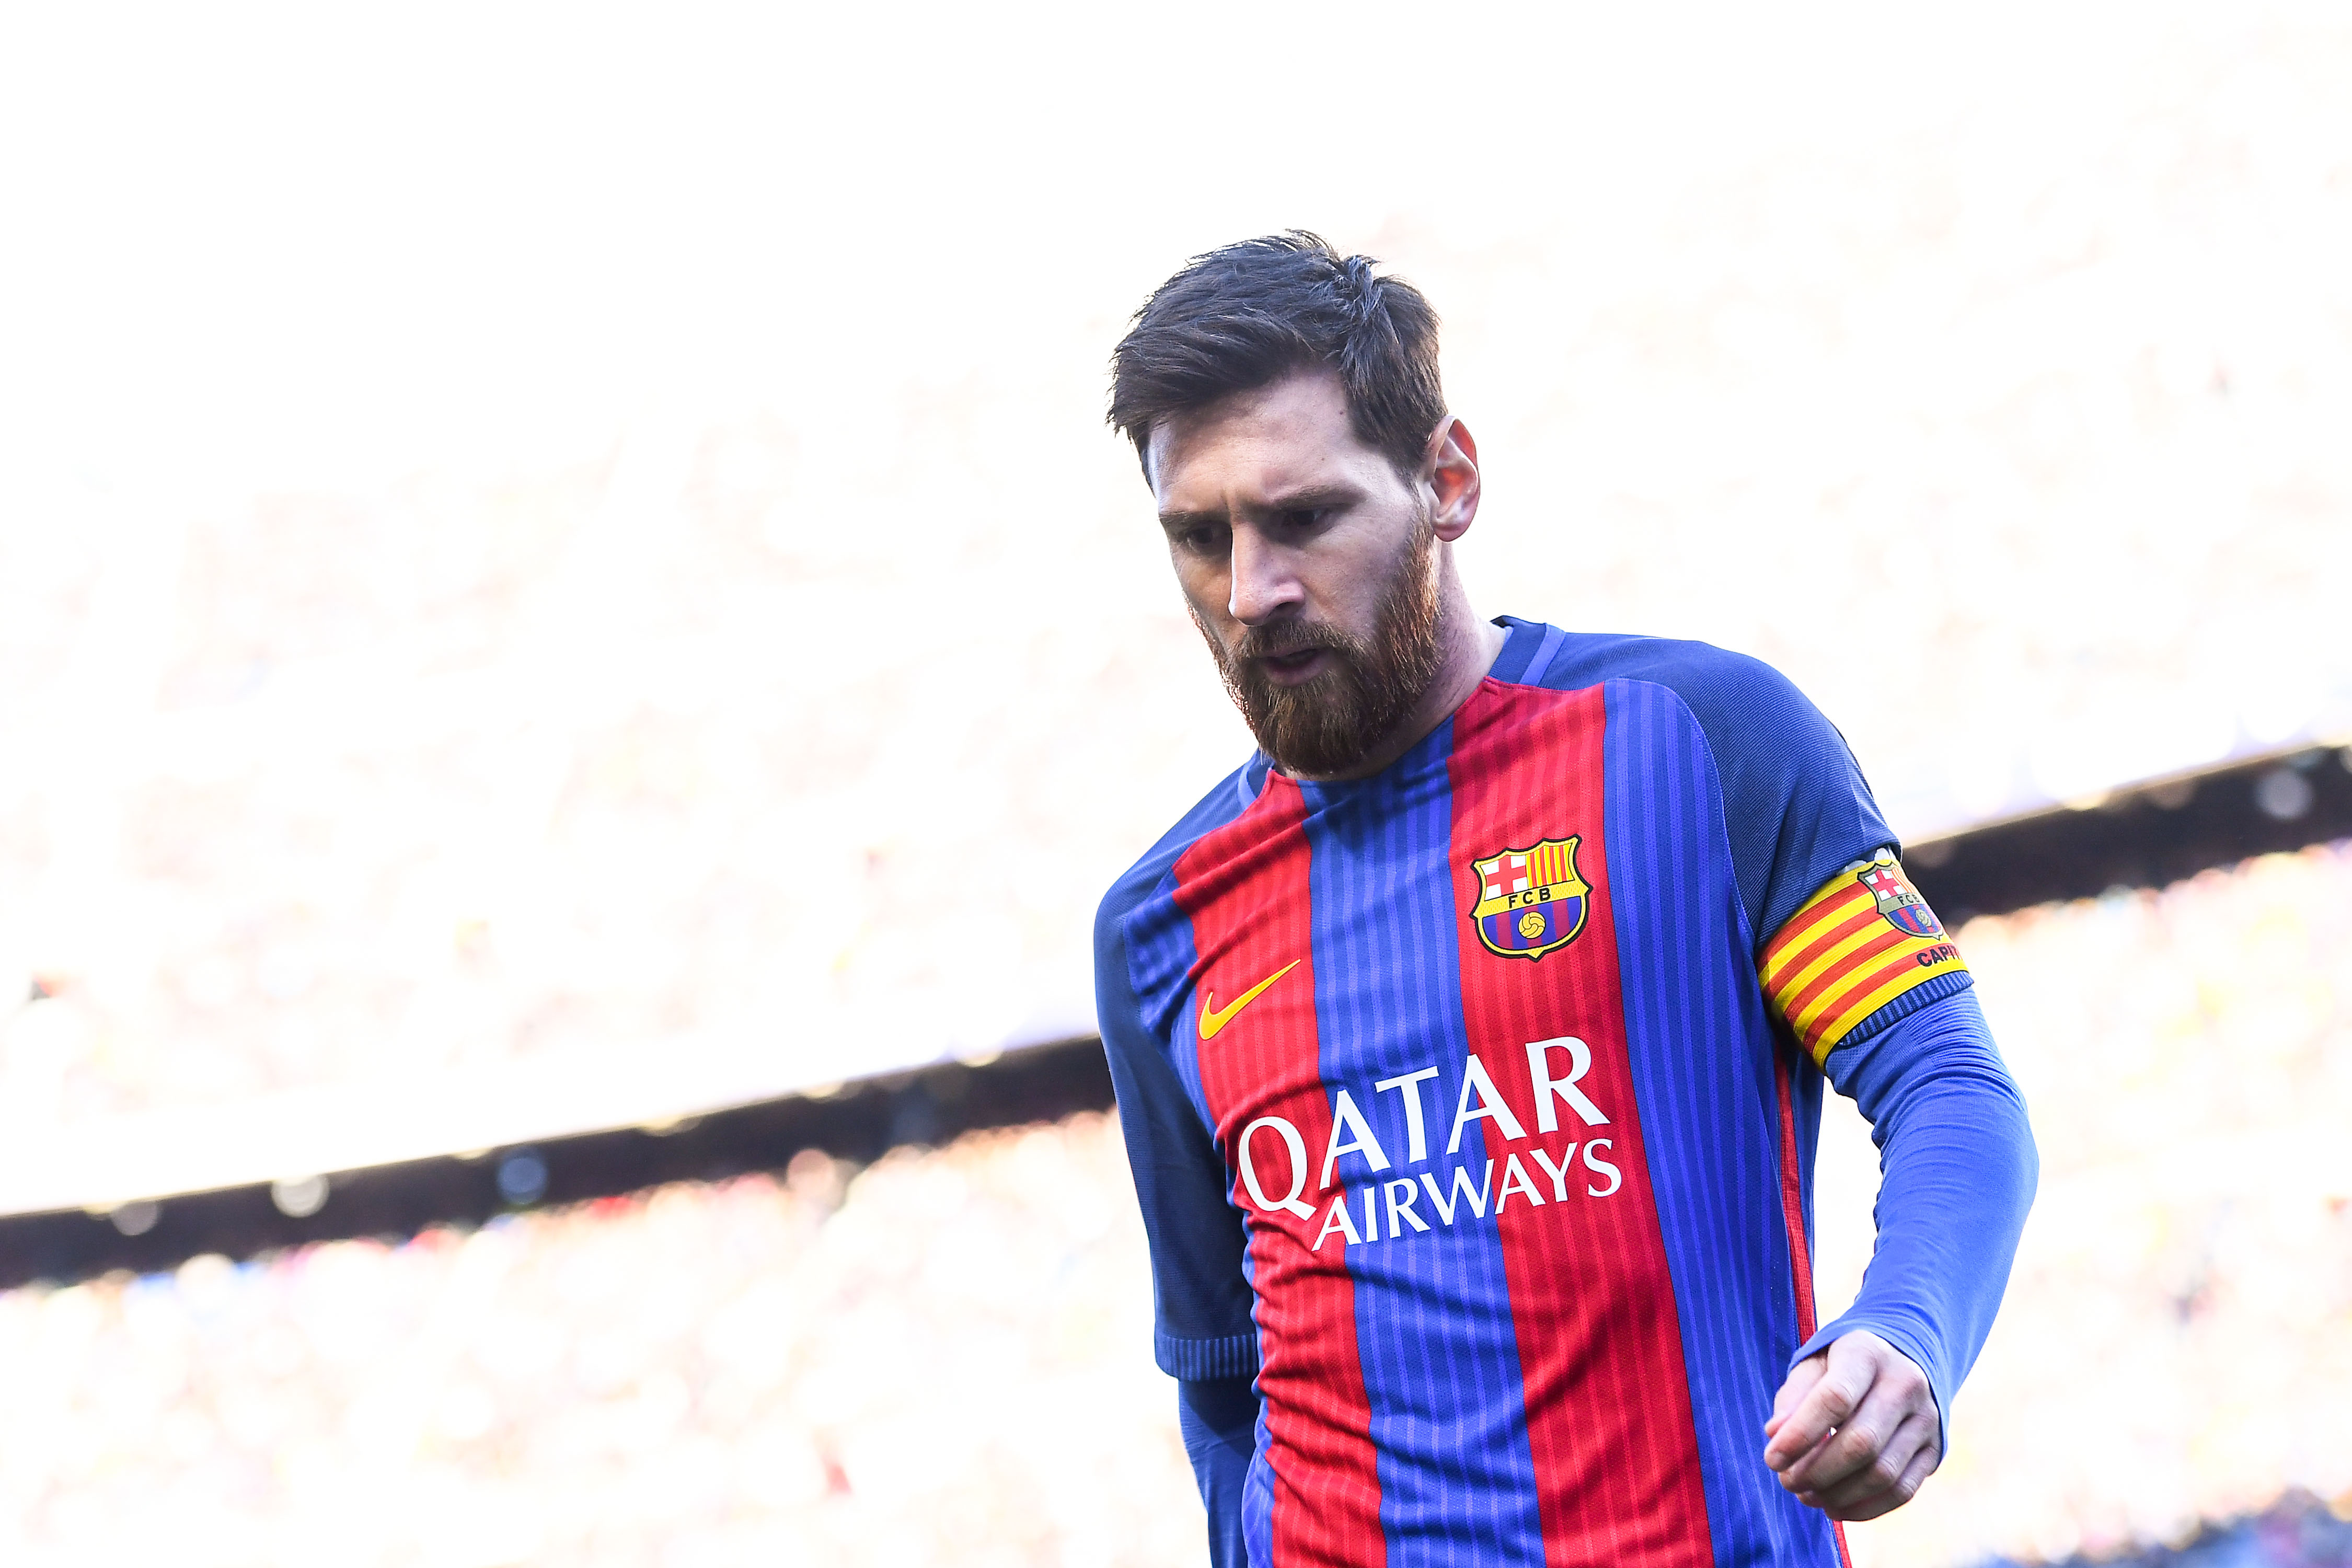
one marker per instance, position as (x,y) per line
(1860,1423)
(1870,988)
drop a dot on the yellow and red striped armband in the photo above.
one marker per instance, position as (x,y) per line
(1864,939)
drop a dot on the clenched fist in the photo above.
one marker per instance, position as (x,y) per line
(1854,1431)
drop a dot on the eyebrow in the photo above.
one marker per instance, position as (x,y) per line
(1307,500)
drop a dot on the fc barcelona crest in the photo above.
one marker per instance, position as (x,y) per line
(1530,901)
(1905,910)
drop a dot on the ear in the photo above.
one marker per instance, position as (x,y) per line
(1453,478)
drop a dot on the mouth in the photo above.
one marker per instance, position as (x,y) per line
(1296,667)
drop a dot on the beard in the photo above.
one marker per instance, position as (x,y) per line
(1330,723)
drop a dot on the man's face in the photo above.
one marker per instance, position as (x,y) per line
(1309,565)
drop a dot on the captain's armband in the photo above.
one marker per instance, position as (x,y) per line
(1861,941)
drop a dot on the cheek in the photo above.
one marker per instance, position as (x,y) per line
(1215,625)
(1354,601)
(1206,589)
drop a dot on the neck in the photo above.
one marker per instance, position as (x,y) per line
(1469,648)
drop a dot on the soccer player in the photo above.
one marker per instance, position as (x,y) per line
(1470,1038)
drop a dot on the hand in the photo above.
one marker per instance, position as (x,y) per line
(1853,1431)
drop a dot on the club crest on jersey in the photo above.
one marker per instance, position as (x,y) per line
(1531,901)
(1905,910)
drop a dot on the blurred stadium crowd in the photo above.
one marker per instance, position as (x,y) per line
(784,732)
(944,1357)
(800,742)
(934,1361)
(2177,1338)
(2298,1531)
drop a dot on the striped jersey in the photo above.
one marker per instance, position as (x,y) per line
(1472,1108)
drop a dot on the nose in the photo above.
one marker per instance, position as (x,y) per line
(1265,581)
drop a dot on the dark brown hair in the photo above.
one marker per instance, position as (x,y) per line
(1249,314)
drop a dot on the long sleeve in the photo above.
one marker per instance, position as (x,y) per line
(1204,1332)
(1219,1419)
(1957,1174)
(1871,989)
(1202,1324)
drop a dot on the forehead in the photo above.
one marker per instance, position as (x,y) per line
(1287,433)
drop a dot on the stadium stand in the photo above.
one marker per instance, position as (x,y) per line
(2299,1531)
(2146,834)
(553,986)
(2177,1344)
(817,1367)
(445,808)
(866,1359)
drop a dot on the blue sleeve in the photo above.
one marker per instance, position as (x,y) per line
(1957,1170)
(1204,1332)
(1202,1323)
(1957,1157)
(1796,807)
(1219,1417)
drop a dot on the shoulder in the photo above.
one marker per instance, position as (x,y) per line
(1694,669)
(1796,807)
(1143,940)
(1137,885)
(1748,709)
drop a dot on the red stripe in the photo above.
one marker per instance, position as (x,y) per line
(1613,1438)
(1844,926)
(1793,1212)
(1894,967)
(1265,1062)
(1835,897)
(1873,951)
(1792,1204)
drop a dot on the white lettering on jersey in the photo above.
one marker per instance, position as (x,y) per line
(1490,1103)
(1341,1220)
(1462,1191)
(1346,1118)
(1416,1137)
(1559,1174)
(1597,1166)
(1453,1191)
(1411,1195)
(1515,1180)
(1297,1147)
(1579,1062)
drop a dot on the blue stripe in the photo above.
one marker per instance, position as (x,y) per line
(1257,1501)
(1162,951)
(1434,1320)
(1701,1050)
(1520,639)
(1541,664)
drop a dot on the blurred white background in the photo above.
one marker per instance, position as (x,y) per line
(536,543)
(560,567)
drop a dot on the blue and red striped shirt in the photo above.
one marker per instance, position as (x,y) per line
(1464,1124)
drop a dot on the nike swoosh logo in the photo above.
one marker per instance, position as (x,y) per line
(1213,1021)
